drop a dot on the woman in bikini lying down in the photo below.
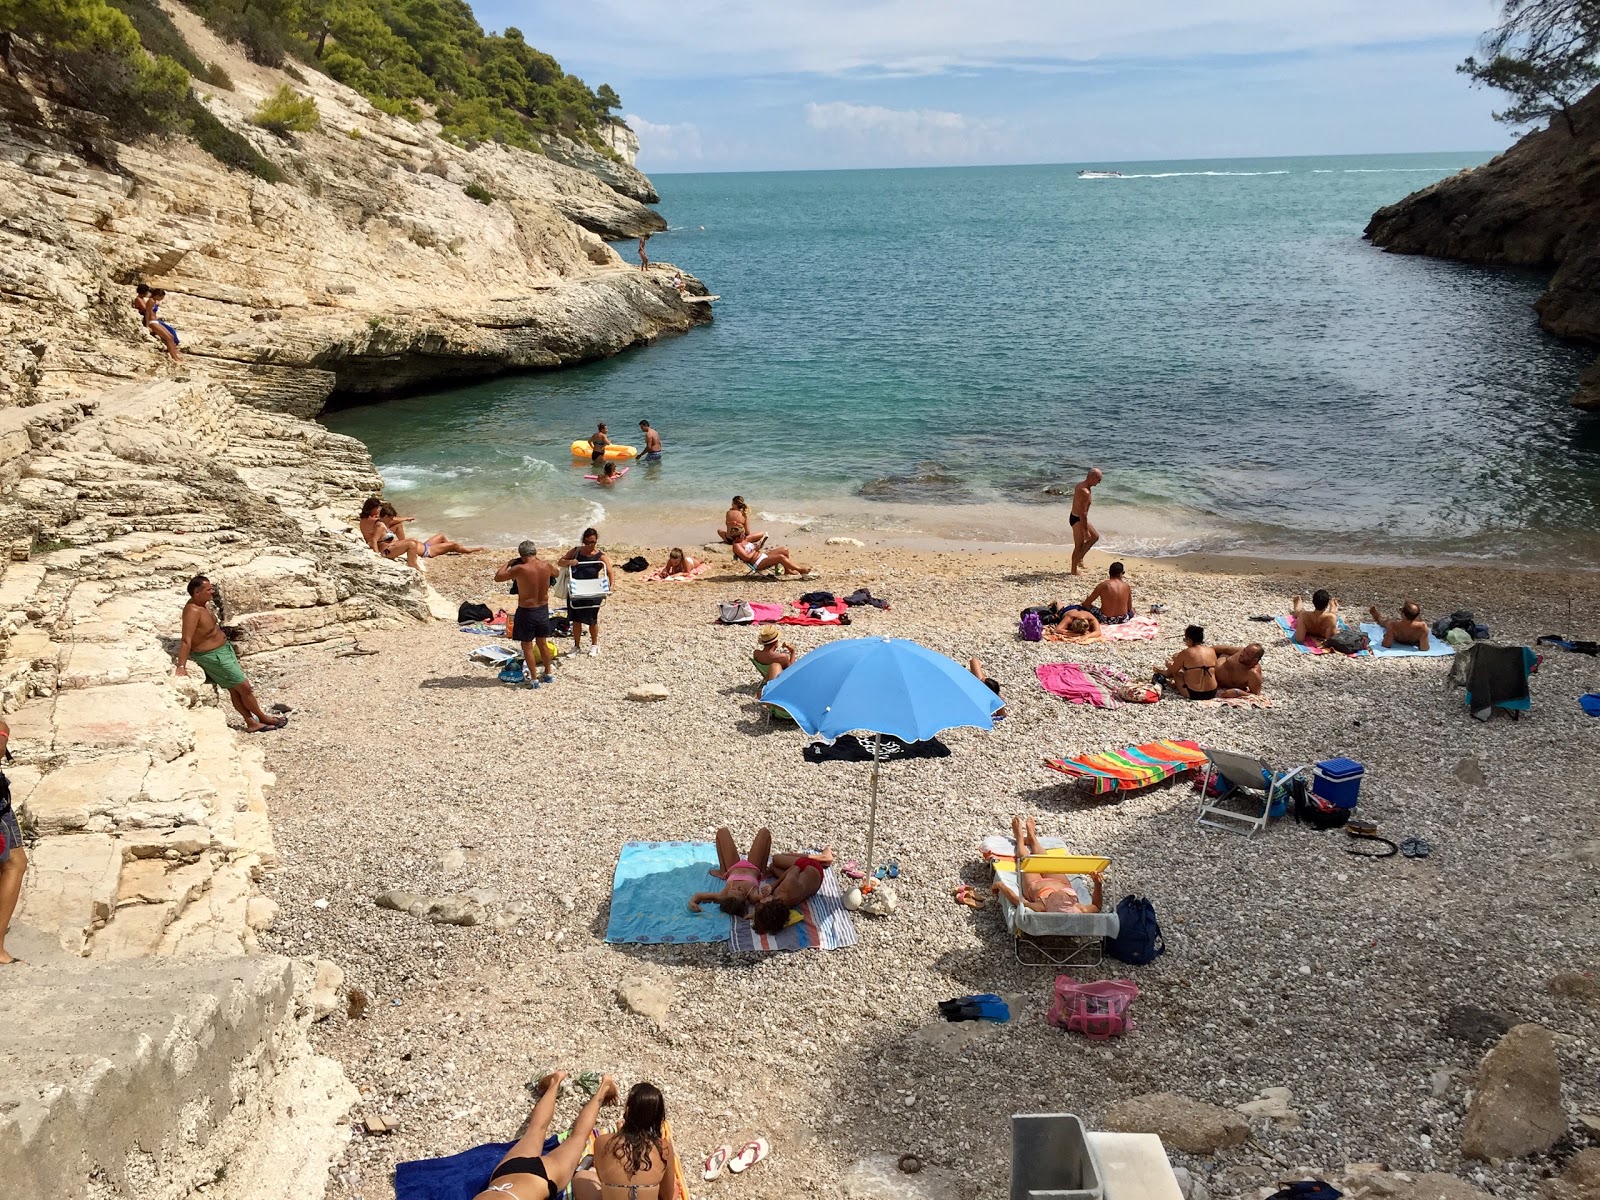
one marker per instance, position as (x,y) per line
(741,875)
(637,1161)
(526,1172)
(1044,893)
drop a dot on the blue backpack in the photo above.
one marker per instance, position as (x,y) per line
(1138,939)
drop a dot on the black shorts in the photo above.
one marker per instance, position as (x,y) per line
(531,623)
(1074,519)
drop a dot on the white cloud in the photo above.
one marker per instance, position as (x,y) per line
(907,133)
(667,143)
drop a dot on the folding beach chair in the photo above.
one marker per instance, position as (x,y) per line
(1047,939)
(1251,776)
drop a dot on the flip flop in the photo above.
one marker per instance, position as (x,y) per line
(715,1161)
(749,1155)
(851,871)
(1415,847)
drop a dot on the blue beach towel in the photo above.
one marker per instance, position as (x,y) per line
(456,1177)
(650,894)
(1437,647)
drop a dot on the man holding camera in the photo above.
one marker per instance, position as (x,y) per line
(532,575)
(206,644)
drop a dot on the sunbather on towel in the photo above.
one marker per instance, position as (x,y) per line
(678,563)
(792,880)
(1192,671)
(1043,893)
(1314,626)
(742,875)
(1077,624)
(526,1173)
(1112,598)
(976,668)
(1238,671)
(1409,629)
(637,1162)
(761,557)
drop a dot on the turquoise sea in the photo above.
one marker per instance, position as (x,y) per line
(928,354)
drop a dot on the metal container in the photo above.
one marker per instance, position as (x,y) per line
(1051,1159)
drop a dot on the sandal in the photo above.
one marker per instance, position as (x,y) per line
(749,1155)
(716,1160)
(851,871)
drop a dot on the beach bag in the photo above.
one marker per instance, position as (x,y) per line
(469,613)
(1315,812)
(1031,627)
(1098,1010)
(735,612)
(636,563)
(1349,641)
(1460,619)
(1138,939)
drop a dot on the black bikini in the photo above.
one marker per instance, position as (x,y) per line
(526,1166)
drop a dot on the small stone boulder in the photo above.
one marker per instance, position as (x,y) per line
(1272,1103)
(1434,1185)
(1516,1100)
(396,900)
(1575,985)
(1192,1126)
(647,996)
(845,541)
(455,910)
(1581,1179)
(648,692)
(260,912)
(323,998)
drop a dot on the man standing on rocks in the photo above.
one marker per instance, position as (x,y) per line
(206,644)
(652,443)
(532,575)
(13,858)
(644,262)
(1084,535)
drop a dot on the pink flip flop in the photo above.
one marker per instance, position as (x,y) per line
(749,1155)
(716,1160)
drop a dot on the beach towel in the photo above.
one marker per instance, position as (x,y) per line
(1060,633)
(766,612)
(1133,767)
(1068,681)
(454,1177)
(850,748)
(826,925)
(1287,625)
(1134,629)
(694,572)
(650,894)
(485,629)
(1437,647)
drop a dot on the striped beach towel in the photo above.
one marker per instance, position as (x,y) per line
(827,926)
(1133,767)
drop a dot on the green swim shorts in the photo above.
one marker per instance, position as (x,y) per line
(221,666)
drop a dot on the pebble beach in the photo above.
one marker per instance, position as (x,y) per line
(1364,987)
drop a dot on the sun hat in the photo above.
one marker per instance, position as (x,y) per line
(767,635)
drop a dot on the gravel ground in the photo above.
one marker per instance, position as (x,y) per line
(1290,962)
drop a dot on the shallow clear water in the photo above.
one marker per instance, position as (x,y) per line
(926,351)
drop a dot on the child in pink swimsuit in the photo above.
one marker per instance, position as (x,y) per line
(741,875)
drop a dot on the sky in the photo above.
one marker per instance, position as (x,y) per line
(718,85)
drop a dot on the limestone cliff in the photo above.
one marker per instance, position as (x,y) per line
(1536,205)
(617,173)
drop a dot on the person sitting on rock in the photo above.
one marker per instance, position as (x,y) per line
(206,644)
(1409,629)
(147,302)
(528,1172)
(13,858)
(383,540)
(1315,626)
(792,879)
(1238,671)
(1112,599)
(637,1161)
(431,548)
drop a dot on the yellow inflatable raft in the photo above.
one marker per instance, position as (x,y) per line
(614,452)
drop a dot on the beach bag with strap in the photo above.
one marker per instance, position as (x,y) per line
(735,612)
(1098,1010)
(1317,813)
(470,612)
(1138,939)
(1349,641)
(1031,628)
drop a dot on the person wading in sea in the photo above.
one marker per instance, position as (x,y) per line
(1084,535)
(652,443)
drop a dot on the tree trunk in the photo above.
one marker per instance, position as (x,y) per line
(322,40)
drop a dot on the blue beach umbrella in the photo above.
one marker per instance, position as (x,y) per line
(881,685)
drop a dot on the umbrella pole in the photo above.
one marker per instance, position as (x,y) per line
(872,817)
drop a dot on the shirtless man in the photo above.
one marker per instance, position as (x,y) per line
(652,443)
(205,643)
(1408,630)
(532,620)
(1112,599)
(644,261)
(1318,623)
(1192,671)
(13,858)
(1084,535)
(1239,671)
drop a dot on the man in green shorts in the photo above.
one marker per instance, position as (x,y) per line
(205,644)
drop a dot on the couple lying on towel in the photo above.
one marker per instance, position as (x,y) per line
(1202,672)
(637,1159)
(762,886)
(1043,893)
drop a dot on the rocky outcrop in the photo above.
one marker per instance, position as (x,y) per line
(1536,205)
(622,139)
(618,173)
(1192,1126)
(1516,1099)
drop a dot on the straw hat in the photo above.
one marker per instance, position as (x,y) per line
(768,635)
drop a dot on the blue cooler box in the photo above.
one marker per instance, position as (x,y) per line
(1337,781)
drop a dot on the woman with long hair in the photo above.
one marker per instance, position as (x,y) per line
(637,1162)
(587,561)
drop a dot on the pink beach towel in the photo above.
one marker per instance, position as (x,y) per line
(1134,629)
(1068,681)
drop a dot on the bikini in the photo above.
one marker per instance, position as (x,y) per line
(522,1166)
(747,871)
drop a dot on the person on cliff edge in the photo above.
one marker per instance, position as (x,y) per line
(206,644)
(13,858)
(644,261)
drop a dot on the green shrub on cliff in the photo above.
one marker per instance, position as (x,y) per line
(287,111)
(161,37)
(226,146)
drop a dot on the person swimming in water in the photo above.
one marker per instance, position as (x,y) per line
(608,475)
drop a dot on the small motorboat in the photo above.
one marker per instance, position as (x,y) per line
(1099,174)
